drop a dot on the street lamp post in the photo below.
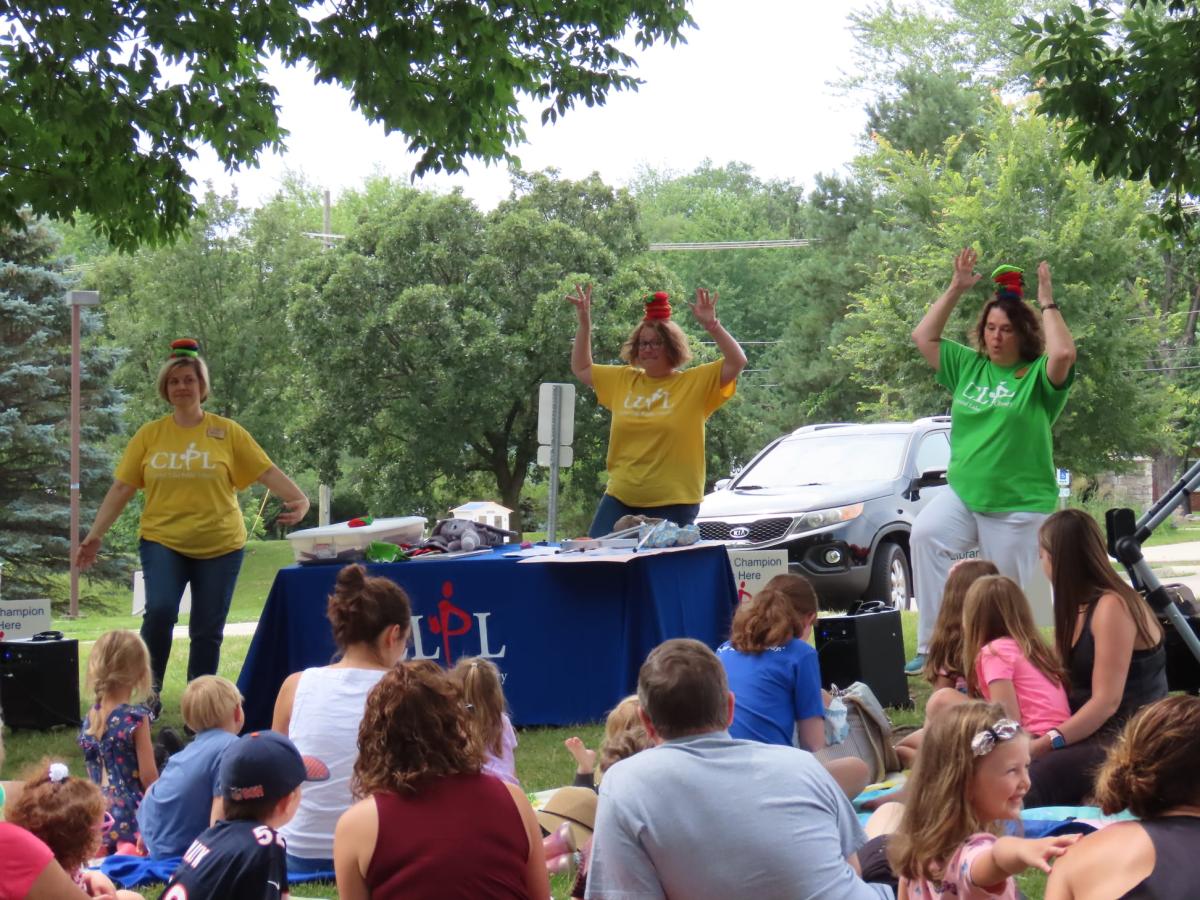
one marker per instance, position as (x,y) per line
(76,299)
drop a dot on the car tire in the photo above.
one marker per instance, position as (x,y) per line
(891,577)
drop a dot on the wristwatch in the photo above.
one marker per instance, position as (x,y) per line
(1049,306)
(1057,741)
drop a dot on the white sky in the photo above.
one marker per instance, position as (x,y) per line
(751,85)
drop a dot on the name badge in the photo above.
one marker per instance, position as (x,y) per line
(218,433)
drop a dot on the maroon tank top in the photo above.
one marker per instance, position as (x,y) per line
(460,836)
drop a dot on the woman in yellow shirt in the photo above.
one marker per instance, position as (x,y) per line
(190,465)
(656,440)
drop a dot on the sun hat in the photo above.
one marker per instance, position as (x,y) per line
(265,765)
(574,805)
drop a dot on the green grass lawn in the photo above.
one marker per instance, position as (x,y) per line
(542,761)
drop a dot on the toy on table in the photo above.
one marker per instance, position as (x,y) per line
(452,535)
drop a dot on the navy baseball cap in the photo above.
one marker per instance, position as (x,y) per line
(265,765)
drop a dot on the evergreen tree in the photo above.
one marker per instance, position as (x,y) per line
(35,385)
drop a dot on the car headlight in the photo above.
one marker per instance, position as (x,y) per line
(820,518)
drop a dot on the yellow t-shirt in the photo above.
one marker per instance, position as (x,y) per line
(191,477)
(656,441)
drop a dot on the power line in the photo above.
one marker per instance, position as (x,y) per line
(736,245)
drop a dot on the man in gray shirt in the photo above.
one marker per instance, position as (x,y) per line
(702,815)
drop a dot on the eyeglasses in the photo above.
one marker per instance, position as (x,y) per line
(648,345)
(984,741)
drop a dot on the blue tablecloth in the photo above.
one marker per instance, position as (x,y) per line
(569,637)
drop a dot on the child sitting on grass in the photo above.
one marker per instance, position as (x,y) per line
(491,728)
(242,855)
(624,735)
(179,805)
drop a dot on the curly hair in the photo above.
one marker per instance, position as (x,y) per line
(362,606)
(775,615)
(66,816)
(944,658)
(624,734)
(674,341)
(938,816)
(479,681)
(1152,767)
(414,729)
(1030,340)
(119,661)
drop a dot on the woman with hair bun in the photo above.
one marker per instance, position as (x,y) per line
(320,708)
(1006,394)
(190,466)
(1152,771)
(656,443)
(428,822)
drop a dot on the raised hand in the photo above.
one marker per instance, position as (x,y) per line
(705,307)
(965,276)
(582,301)
(1045,289)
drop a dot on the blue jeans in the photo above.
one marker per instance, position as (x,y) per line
(611,509)
(302,865)
(167,573)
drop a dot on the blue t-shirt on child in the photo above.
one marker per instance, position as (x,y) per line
(773,690)
(176,809)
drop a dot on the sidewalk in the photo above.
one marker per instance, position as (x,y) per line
(232,629)
(1176,563)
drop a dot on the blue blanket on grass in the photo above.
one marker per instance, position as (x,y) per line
(135,871)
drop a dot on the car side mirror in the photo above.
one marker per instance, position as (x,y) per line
(927,478)
(722,483)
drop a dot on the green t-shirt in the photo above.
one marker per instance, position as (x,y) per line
(1001,451)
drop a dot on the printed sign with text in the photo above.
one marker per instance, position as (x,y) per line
(754,568)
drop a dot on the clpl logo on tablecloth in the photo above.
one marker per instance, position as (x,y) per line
(453,622)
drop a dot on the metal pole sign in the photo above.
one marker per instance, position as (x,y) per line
(556,430)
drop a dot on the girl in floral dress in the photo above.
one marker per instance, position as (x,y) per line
(115,736)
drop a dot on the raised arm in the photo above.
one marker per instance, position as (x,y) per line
(705,311)
(1060,346)
(294,500)
(581,350)
(114,501)
(928,333)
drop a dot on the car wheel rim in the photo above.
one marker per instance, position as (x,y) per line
(899,584)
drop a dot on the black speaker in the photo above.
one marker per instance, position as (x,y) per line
(39,683)
(867,648)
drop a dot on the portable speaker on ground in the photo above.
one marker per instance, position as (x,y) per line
(867,648)
(39,683)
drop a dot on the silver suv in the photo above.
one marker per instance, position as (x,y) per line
(841,500)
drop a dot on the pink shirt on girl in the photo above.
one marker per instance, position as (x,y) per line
(1043,701)
(956,883)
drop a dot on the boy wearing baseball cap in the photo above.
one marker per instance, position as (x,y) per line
(242,856)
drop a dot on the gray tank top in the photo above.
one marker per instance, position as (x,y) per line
(1175,840)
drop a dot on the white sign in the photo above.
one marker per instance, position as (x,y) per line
(24,618)
(566,456)
(566,412)
(139,596)
(754,568)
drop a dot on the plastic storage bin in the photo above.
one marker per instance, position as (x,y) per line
(327,541)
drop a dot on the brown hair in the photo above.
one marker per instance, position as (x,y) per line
(674,341)
(414,729)
(1081,574)
(624,734)
(256,810)
(119,660)
(682,688)
(361,607)
(208,702)
(995,607)
(66,816)
(945,655)
(1152,767)
(1028,328)
(178,362)
(938,816)
(479,681)
(774,616)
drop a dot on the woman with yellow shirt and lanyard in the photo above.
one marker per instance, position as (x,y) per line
(190,464)
(656,441)
(1006,394)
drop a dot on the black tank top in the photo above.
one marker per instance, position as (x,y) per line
(1145,683)
(1175,840)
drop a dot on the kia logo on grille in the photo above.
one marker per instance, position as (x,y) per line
(740,532)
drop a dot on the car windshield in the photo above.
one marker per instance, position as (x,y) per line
(826,459)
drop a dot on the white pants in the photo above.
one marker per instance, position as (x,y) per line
(945,529)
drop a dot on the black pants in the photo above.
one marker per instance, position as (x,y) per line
(1067,777)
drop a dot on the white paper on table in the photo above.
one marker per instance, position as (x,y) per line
(611,555)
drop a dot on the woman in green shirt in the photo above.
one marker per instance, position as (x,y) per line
(1007,394)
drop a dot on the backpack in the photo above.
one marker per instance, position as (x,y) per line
(870,735)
